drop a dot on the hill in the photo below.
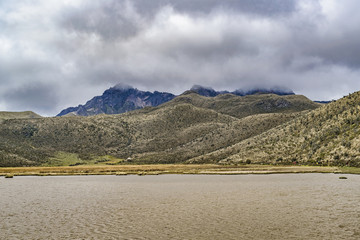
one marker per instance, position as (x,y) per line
(329,135)
(243,106)
(186,127)
(17,115)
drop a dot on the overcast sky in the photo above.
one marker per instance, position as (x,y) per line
(60,53)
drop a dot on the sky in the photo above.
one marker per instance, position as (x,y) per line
(60,53)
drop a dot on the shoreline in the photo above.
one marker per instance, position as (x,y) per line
(158,169)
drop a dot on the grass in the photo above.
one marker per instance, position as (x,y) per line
(168,169)
(63,159)
(349,170)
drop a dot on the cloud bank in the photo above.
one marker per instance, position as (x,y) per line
(55,54)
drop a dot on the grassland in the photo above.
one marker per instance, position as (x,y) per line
(156,169)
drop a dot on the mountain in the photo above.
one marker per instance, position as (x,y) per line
(204,91)
(329,135)
(184,128)
(119,99)
(210,92)
(226,129)
(253,91)
(323,102)
(243,106)
(124,98)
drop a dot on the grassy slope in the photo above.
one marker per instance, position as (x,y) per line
(329,135)
(211,139)
(173,132)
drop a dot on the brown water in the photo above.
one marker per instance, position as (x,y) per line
(289,206)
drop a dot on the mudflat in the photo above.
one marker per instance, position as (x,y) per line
(173,206)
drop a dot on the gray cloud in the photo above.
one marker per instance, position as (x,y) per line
(110,19)
(262,7)
(38,97)
(73,50)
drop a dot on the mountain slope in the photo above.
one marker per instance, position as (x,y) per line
(211,139)
(329,135)
(32,142)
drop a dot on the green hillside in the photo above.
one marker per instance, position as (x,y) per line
(171,133)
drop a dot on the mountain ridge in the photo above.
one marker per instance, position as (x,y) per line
(123,98)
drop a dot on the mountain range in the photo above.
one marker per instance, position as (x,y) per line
(197,126)
(184,129)
(123,98)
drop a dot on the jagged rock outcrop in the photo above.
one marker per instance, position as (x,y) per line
(119,99)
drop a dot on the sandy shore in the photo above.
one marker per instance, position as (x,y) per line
(169,169)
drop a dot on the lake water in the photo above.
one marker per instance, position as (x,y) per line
(287,206)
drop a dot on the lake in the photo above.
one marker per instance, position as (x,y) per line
(277,206)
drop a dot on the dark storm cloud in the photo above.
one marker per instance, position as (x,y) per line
(78,48)
(121,18)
